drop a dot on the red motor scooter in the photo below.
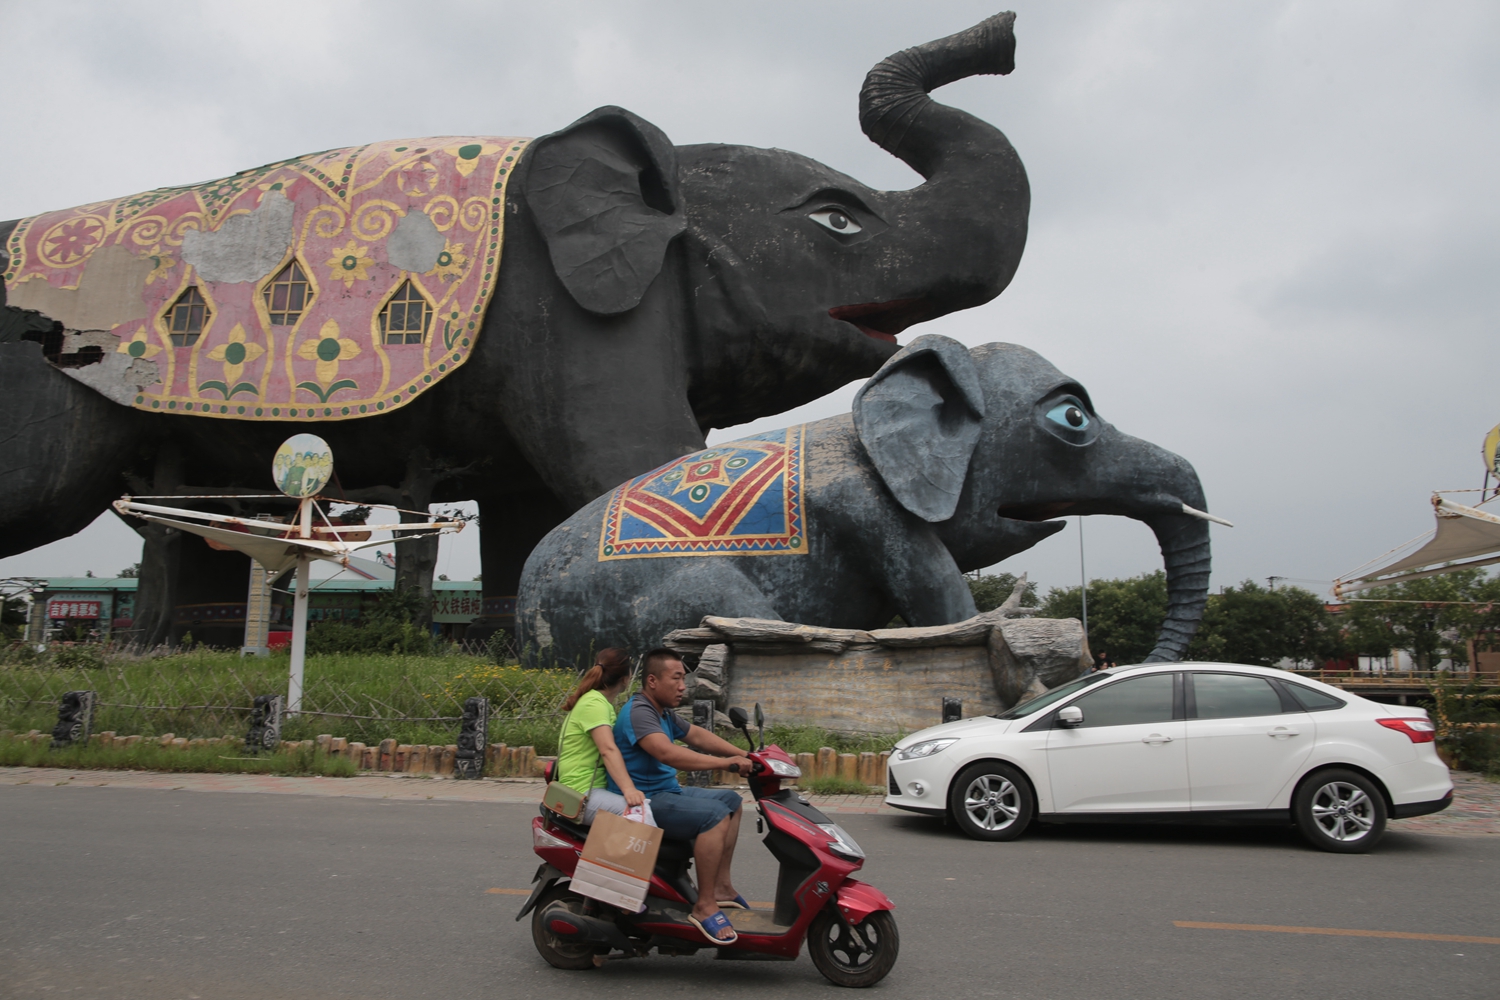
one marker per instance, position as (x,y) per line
(850,932)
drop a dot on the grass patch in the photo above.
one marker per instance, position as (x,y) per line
(361,696)
(144,756)
(834,786)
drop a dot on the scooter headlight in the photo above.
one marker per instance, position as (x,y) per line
(841,842)
(926,749)
(782,769)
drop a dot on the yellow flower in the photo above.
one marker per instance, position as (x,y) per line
(236,354)
(451,263)
(161,264)
(350,264)
(138,346)
(328,350)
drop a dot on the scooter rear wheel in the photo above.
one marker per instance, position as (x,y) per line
(855,955)
(559,952)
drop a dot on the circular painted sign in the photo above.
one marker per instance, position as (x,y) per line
(302,466)
(1492,451)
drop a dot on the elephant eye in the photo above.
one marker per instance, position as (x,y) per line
(1069,413)
(837,220)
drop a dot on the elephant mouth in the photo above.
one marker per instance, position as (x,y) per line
(883,320)
(1036,511)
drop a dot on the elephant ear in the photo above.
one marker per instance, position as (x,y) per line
(604,195)
(919,419)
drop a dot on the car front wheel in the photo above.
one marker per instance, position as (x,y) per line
(1341,811)
(991,801)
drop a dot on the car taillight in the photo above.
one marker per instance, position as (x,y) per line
(1416,730)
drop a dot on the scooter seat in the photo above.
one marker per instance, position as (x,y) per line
(674,850)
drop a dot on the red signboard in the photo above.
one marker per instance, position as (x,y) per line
(73,609)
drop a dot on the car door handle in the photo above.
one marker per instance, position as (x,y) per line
(1281,733)
(1156,738)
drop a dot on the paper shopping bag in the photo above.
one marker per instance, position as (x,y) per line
(617,861)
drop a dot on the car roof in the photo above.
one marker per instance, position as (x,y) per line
(1245,668)
(1199,665)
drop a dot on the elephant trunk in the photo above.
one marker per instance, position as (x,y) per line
(1185,554)
(897,115)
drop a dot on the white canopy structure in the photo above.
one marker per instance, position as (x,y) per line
(276,545)
(1464,537)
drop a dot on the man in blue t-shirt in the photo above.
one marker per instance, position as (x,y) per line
(645,732)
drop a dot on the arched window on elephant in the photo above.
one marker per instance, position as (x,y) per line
(288,295)
(405,318)
(188,317)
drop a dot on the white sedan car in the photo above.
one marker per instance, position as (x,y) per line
(1180,742)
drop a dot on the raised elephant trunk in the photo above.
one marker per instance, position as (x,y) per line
(976,195)
(896,113)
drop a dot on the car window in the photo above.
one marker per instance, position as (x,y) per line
(1051,697)
(1136,701)
(1312,699)
(1234,696)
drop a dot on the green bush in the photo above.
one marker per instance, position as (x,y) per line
(390,627)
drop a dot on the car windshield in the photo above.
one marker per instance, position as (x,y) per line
(1051,697)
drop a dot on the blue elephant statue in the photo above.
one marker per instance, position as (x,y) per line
(953,459)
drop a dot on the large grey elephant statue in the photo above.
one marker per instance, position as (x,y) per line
(647,293)
(951,461)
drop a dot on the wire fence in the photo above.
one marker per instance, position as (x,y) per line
(364,697)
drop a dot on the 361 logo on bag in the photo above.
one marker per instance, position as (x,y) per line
(636,845)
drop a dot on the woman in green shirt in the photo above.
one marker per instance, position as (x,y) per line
(586,748)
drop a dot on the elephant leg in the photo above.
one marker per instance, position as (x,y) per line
(509,528)
(63,450)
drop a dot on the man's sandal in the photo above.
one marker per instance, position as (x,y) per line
(737,903)
(715,925)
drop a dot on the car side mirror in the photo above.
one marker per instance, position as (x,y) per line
(1070,717)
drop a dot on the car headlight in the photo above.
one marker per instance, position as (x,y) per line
(841,843)
(782,769)
(926,749)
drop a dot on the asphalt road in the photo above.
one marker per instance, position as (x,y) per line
(130,893)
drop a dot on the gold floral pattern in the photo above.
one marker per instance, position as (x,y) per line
(351,264)
(327,350)
(236,353)
(139,346)
(451,263)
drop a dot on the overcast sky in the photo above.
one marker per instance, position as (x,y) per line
(1264,235)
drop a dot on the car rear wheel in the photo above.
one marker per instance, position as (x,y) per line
(1339,810)
(991,801)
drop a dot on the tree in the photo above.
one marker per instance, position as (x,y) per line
(990,591)
(1124,615)
(1256,625)
(1433,618)
(129,572)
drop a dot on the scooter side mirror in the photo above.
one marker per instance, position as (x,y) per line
(738,718)
(1070,717)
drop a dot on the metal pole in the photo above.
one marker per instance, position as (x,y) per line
(1083,578)
(299,614)
(299,638)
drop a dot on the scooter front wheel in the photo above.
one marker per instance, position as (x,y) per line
(854,955)
(559,952)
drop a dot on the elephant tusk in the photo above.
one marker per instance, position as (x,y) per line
(1206,516)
